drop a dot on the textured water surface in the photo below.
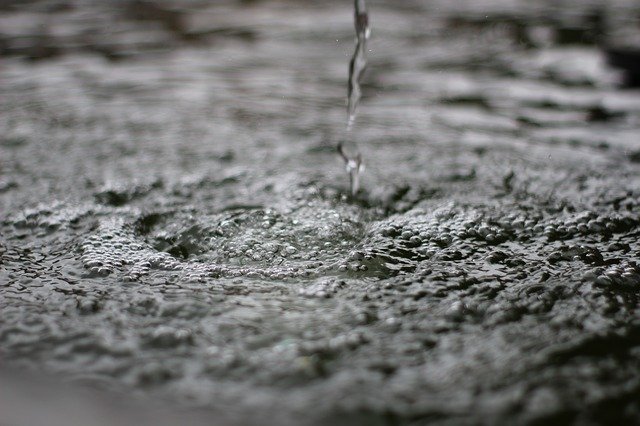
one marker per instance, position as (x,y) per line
(176,224)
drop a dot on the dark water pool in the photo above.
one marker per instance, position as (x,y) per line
(176,224)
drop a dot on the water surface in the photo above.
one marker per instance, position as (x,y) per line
(176,224)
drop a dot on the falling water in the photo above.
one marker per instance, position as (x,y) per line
(353,163)
(349,150)
(358,61)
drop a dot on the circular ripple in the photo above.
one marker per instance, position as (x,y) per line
(317,238)
(254,242)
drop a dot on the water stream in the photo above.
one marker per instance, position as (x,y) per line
(348,149)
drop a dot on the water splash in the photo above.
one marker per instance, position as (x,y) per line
(353,163)
(349,150)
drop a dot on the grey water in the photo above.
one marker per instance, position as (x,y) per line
(348,149)
(172,225)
